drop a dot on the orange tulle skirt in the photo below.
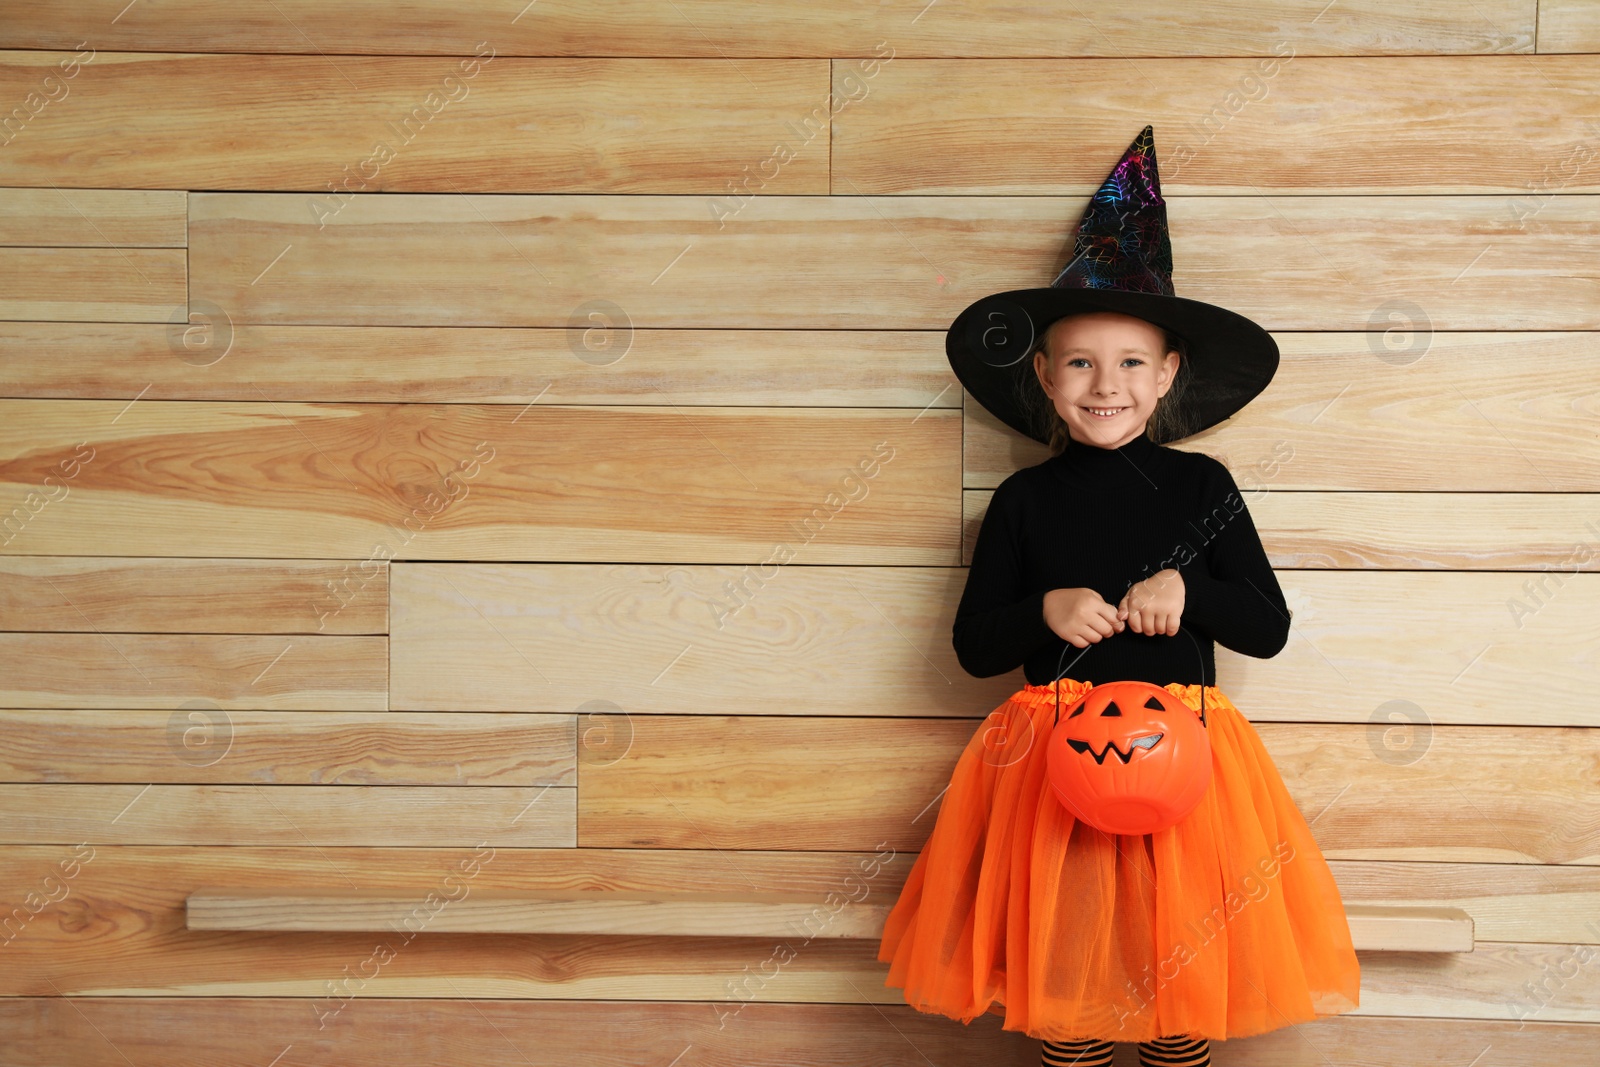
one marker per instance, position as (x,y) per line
(1225,925)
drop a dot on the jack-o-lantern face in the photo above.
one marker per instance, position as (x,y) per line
(1161,763)
(1107,707)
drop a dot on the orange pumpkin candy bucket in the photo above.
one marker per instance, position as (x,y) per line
(1129,758)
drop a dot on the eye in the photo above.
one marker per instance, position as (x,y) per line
(1080,359)
(1155,705)
(1076,711)
(1112,709)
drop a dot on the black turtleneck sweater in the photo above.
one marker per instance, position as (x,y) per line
(1104,519)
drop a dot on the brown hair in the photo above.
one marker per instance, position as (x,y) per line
(1166,421)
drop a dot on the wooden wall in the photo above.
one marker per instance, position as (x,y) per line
(517,440)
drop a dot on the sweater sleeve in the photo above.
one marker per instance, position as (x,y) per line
(1230,591)
(999,622)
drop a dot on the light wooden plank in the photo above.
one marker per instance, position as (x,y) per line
(776,783)
(138,1032)
(1534,809)
(1507,902)
(209,745)
(616,364)
(1373,927)
(295,672)
(876,642)
(825,28)
(912,262)
(94,217)
(76,594)
(1402,531)
(1418,410)
(1406,124)
(82,284)
(1381,927)
(383,1032)
(730,914)
(1428,648)
(1483,531)
(1568,26)
(785,640)
(374,482)
(139,893)
(730,782)
(287,815)
(480,123)
(1455,987)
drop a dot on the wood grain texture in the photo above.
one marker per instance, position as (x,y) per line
(479,123)
(458,1034)
(850,262)
(1402,531)
(733,782)
(371,482)
(1277,123)
(119,930)
(597,361)
(524,912)
(77,594)
(826,28)
(1412,410)
(737,782)
(209,745)
(1428,647)
(118,218)
(286,815)
(93,284)
(1373,927)
(121,926)
(800,641)
(1568,26)
(293,672)
(1443,984)
(1507,902)
(768,639)
(1379,927)
(383,1031)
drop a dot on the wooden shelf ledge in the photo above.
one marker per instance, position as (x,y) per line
(1409,928)
(1373,927)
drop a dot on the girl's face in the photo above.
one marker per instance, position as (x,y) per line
(1105,361)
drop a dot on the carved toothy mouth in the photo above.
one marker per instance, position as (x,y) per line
(1080,746)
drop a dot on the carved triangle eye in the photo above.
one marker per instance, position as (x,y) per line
(1155,705)
(1112,709)
(1076,711)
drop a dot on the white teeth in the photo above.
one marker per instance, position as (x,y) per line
(1103,411)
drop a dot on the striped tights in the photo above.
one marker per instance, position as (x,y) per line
(1162,1052)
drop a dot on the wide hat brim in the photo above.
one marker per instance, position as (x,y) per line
(990,344)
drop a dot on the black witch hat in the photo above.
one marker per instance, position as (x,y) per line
(1121,261)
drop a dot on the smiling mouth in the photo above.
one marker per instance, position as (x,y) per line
(1080,746)
(1110,413)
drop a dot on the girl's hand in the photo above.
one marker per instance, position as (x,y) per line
(1080,616)
(1152,606)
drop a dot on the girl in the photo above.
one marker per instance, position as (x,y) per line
(1117,558)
